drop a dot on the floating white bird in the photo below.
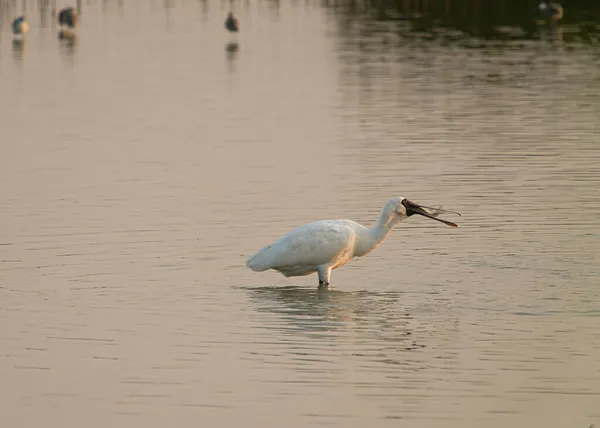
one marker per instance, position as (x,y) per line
(326,245)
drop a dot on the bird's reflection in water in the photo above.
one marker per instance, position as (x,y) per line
(204,9)
(68,42)
(67,35)
(306,308)
(231,49)
(365,315)
(19,48)
(385,332)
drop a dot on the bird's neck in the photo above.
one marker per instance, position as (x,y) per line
(377,234)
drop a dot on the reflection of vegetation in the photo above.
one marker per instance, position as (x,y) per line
(491,20)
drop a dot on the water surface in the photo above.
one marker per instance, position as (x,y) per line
(141,165)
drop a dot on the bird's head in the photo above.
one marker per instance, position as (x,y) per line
(404,208)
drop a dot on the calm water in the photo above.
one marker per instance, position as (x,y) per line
(141,165)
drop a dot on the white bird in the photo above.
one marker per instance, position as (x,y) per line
(328,244)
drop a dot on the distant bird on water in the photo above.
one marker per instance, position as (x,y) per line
(326,245)
(552,10)
(231,23)
(68,17)
(20,26)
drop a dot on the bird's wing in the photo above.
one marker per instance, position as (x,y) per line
(310,245)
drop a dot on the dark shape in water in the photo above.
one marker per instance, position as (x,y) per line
(231,23)
(232,47)
(18,45)
(68,17)
(19,48)
(19,25)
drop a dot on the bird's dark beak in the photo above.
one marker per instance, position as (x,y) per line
(412,208)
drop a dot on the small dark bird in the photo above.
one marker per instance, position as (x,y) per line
(68,17)
(231,23)
(20,26)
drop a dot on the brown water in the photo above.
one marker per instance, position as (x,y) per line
(142,164)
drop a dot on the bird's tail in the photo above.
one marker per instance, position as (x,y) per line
(260,261)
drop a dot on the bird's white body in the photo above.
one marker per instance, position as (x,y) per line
(326,245)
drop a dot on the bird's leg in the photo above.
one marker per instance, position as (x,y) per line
(324,273)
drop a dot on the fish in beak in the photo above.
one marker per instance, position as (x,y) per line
(413,208)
